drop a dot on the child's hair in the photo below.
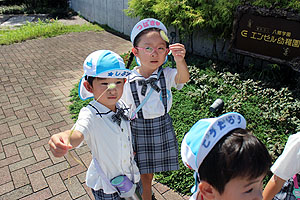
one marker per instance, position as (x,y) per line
(137,40)
(237,154)
(89,79)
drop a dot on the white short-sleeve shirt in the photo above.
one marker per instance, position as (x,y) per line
(154,107)
(288,163)
(109,143)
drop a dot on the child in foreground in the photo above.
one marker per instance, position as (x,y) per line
(148,93)
(229,162)
(284,184)
(103,124)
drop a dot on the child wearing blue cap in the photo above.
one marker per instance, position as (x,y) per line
(148,93)
(284,184)
(104,125)
(229,162)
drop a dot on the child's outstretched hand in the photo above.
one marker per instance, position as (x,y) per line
(59,144)
(178,52)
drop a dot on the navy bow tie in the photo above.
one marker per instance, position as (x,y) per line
(119,115)
(152,82)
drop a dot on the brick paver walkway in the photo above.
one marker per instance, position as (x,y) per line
(36,78)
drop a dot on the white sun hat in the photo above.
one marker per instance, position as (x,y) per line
(203,136)
(143,25)
(103,64)
(146,24)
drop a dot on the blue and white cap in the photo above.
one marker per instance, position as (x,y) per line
(103,64)
(203,136)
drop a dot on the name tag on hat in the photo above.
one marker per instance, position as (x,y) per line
(218,128)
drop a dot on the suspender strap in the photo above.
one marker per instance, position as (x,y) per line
(136,97)
(136,100)
(164,95)
(103,176)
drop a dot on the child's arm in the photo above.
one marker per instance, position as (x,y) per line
(178,51)
(59,142)
(273,187)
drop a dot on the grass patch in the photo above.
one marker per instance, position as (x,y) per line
(14,9)
(42,29)
(55,10)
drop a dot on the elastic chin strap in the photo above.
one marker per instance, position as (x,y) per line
(195,187)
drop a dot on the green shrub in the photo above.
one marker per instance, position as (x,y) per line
(189,15)
(271,114)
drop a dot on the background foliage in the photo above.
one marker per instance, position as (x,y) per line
(189,15)
(56,8)
(38,3)
(272,113)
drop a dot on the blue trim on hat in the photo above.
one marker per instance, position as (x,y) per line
(195,187)
(105,64)
(194,140)
(107,61)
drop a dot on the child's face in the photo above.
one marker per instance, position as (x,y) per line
(111,96)
(242,188)
(157,57)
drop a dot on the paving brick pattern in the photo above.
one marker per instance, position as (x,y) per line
(36,78)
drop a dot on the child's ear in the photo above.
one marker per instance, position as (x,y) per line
(88,87)
(206,190)
(134,51)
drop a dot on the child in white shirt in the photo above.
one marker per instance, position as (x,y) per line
(153,135)
(286,171)
(103,124)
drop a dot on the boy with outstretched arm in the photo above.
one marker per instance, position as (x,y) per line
(104,125)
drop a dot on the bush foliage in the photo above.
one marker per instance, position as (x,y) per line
(189,15)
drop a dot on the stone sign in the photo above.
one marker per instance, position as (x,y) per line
(268,34)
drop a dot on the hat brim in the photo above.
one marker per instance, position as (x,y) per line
(146,24)
(203,136)
(118,73)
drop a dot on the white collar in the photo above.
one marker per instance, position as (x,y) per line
(137,76)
